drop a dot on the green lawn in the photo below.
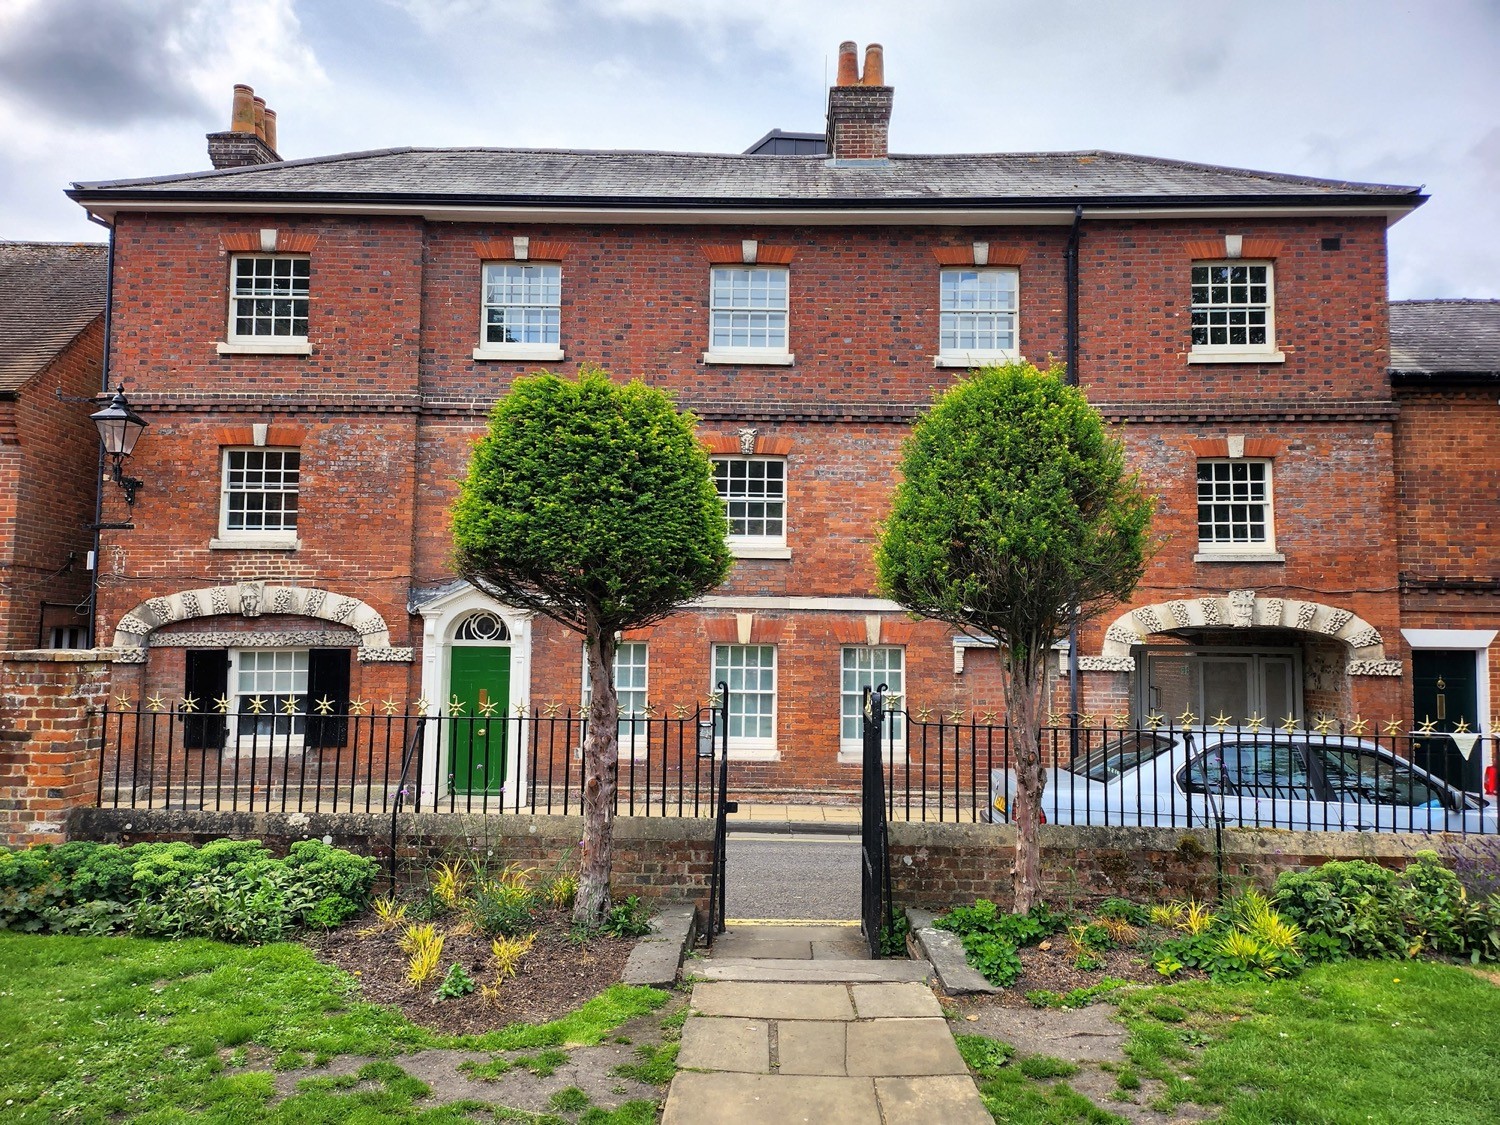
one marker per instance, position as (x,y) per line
(1359,1042)
(96,1029)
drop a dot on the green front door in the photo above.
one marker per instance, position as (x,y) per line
(479,683)
(1445,689)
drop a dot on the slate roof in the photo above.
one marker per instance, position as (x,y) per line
(491,176)
(1452,337)
(49,291)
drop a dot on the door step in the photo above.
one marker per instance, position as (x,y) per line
(830,971)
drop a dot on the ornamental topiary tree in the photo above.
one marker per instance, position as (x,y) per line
(592,503)
(1016,516)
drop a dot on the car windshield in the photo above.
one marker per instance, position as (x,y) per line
(1111,759)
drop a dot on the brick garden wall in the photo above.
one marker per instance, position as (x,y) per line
(935,866)
(49,745)
(659,859)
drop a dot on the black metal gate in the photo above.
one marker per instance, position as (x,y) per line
(875,859)
(718,732)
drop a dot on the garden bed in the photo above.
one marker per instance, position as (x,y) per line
(557,975)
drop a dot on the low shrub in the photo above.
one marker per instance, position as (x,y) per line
(991,937)
(232,890)
(501,908)
(1123,910)
(627,919)
(1246,940)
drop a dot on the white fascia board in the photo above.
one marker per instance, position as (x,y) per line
(711,216)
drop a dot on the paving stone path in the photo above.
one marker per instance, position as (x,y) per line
(797,1024)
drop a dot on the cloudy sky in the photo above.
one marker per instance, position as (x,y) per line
(1374,90)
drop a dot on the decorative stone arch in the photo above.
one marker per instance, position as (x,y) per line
(251,599)
(1242,609)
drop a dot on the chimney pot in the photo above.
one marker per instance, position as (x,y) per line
(848,64)
(242,117)
(874,74)
(260,117)
(270,135)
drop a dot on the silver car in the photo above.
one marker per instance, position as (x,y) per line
(1185,778)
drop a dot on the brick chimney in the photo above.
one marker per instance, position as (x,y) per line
(251,137)
(859,107)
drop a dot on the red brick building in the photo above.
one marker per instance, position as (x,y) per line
(316,344)
(51,357)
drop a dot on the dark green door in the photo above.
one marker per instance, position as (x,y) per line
(479,683)
(1446,690)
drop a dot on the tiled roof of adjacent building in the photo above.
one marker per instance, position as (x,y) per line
(49,291)
(493,176)
(1452,337)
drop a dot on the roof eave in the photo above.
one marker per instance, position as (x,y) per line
(1410,378)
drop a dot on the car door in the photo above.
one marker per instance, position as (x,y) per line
(1253,781)
(1373,790)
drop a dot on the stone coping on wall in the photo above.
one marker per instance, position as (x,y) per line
(58,655)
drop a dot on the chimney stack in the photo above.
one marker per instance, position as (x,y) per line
(859,108)
(251,136)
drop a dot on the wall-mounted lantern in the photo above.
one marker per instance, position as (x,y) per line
(119,427)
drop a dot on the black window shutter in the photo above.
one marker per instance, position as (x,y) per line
(327,678)
(206,681)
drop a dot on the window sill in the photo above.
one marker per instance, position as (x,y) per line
(854,755)
(1196,356)
(290,347)
(753,754)
(759,551)
(750,357)
(265,543)
(519,351)
(1239,557)
(976,359)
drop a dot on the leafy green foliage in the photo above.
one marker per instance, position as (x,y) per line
(990,937)
(233,890)
(1123,910)
(1045,1066)
(1076,998)
(983,1055)
(1015,508)
(1358,909)
(456,983)
(500,909)
(1247,940)
(627,919)
(590,502)
(893,935)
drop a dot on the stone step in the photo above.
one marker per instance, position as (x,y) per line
(801,970)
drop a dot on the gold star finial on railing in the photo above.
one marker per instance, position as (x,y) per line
(1054,719)
(521,710)
(189,705)
(389,706)
(1121,720)
(423,703)
(325,706)
(221,705)
(1393,726)
(289,706)
(1087,719)
(1323,725)
(1426,726)
(488,708)
(924,714)
(1357,726)
(358,707)
(1289,724)
(648,709)
(955,716)
(257,705)
(1462,726)
(456,705)
(123,701)
(1155,720)
(1187,718)
(990,717)
(550,710)
(712,700)
(1222,721)
(1255,722)
(680,710)
(156,702)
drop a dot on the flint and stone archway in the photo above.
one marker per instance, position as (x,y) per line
(252,599)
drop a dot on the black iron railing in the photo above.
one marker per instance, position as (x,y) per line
(875,905)
(375,763)
(1329,777)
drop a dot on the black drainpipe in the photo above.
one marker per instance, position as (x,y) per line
(109,300)
(1071,377)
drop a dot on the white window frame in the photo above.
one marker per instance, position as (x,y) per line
(755,546)
(265,343)
(1213,550)
(853,749)
(741,747)
(1227,352)
(643,739)
(718,307)
(280,741)
(542,350)
(238,538)
(974,357)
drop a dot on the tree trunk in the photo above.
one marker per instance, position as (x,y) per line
(1023,708)
(601,766)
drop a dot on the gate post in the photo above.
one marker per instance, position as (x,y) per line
(875,860)
(715,926)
